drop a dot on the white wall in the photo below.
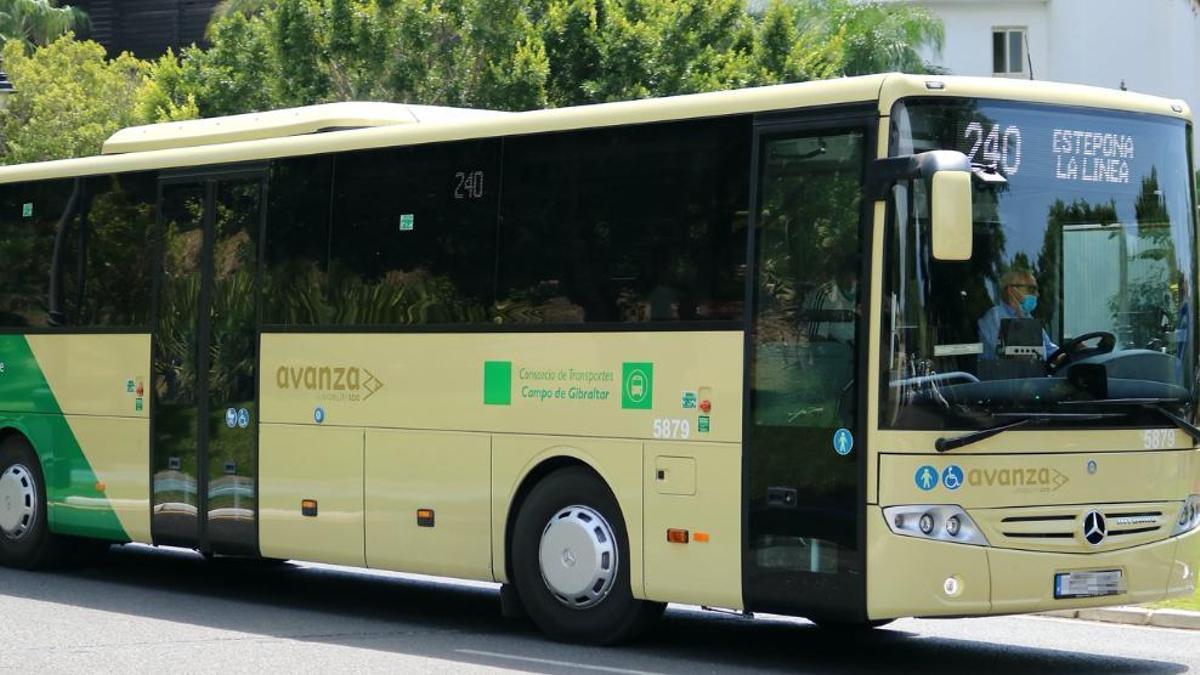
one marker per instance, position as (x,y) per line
(1152,45)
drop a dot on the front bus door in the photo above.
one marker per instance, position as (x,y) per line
(804,440)
(205,355)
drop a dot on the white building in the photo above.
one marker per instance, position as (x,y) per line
(1149,46)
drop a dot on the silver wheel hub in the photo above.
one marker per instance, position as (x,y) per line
(578,557)
(18,501)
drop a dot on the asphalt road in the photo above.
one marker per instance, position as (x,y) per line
(155,610)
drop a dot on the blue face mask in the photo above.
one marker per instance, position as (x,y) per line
(1028,304)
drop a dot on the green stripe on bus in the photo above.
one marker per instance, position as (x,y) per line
(27,404)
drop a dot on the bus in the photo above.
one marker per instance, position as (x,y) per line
(850,350)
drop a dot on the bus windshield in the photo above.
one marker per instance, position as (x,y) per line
(1077,304)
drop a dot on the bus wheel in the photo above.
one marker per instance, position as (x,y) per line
(25,539)
(570,556)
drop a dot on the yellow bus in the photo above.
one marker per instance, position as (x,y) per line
(848,350)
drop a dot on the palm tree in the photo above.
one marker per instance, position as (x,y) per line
(877,36)
(38,21)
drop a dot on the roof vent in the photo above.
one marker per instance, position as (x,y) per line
(281,124)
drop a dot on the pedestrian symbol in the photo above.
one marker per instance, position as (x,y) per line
(926,478)
(319,415)
(243,418)
(231,417)
(952,477)
(843,441)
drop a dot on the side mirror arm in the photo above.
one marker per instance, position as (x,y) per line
(885,172)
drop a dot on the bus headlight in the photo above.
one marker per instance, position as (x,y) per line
(941,522)
(1189,516)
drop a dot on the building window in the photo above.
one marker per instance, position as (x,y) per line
(1008,51)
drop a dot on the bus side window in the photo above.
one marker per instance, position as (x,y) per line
(30,215)
(627,224)
(117,273)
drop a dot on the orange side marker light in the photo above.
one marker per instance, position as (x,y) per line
(425,518)
(100,487)
(701,537)
(677,536)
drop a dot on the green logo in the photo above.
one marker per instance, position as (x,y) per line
(703,427)
(497,382)
(406,222)
(637,386)
(128,386)
(27,210)
(137,404)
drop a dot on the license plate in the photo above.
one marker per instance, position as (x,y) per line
(1088,584)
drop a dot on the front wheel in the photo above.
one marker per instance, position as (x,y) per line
(570,556)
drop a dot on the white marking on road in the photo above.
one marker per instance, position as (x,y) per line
(552,662)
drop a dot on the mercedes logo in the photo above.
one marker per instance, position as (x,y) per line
(1094,528)
(568,558)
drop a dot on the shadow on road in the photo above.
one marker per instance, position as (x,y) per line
(463,623)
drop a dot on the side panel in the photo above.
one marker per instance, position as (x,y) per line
(76,397)
(687,486)
(447,472)
(441,412)
(535,383)
(323,464)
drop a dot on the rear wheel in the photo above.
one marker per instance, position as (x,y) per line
(570,555)
(25,538)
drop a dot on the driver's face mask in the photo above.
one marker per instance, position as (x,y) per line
(1028,304)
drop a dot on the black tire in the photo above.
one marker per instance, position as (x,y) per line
(618,616)
(33,546)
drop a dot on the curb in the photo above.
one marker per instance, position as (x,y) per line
(1134,616)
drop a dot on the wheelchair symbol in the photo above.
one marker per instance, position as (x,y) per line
(952,477)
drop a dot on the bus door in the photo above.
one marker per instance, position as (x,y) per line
(805,436)
(205,362)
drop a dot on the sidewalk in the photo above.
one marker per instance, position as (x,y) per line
(1135,616)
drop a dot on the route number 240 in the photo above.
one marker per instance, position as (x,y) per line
(995,146)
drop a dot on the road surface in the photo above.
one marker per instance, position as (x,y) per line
(143,609)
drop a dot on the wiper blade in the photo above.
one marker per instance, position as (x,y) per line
(1154,404)
(947,444)
(1187,426)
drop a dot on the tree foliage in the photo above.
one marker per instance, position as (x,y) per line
(875,37)
(521,54)
(496,54)
(70,99)
(38,21)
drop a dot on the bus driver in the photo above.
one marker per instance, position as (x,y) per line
(1018,299)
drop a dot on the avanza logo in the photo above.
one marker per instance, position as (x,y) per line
(1048,480)
(334,383)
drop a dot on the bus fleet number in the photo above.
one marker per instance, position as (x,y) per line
(672,428)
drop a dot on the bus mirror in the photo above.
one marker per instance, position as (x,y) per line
(951,216)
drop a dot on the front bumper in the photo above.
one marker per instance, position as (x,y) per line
(908,576)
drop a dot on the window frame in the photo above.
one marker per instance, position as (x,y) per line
(1007,32)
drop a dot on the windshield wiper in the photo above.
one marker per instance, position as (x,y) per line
(1154,404)
(947,444)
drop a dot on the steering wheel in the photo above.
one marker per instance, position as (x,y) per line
(1075,348)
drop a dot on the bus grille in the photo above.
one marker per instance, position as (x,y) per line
(1060,528)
